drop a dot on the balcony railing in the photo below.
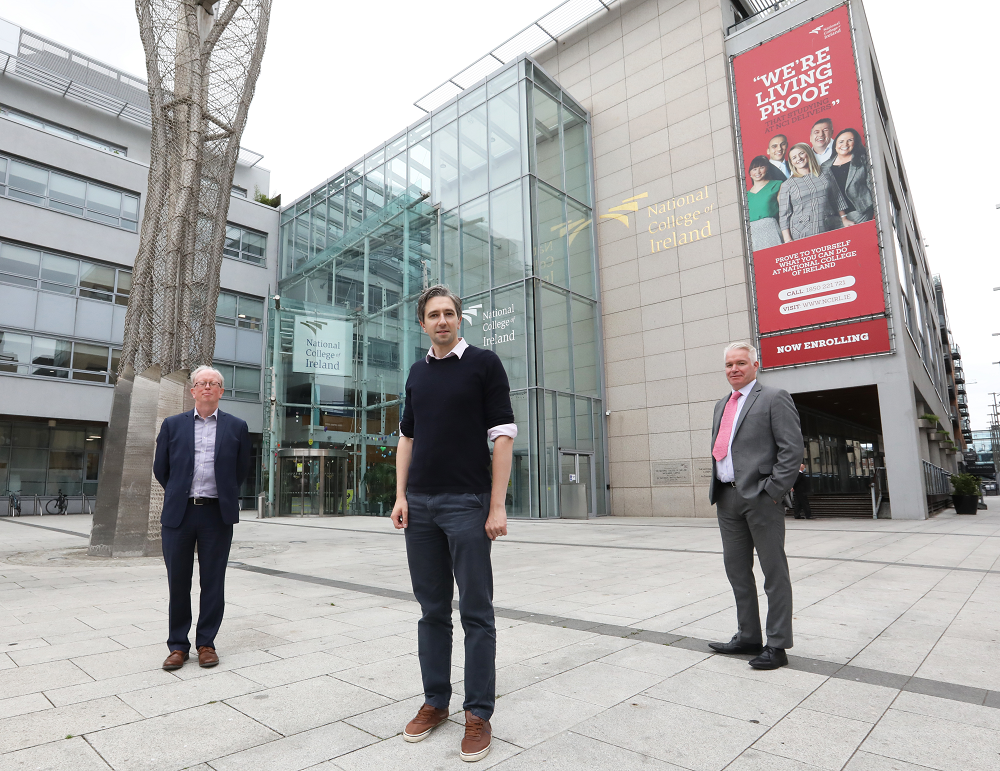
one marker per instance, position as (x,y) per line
(956,352)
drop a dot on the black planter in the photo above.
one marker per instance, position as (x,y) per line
(965,504)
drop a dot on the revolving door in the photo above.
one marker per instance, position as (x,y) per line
(312,482)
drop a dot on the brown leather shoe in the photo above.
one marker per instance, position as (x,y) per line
(175,660)
(207,657)
(478,738)
(428,718)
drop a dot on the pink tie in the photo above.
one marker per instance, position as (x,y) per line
(721,449)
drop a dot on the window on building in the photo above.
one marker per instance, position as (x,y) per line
(62,131)
(379,298)
(239,311)
(242,383)
(44,356)
(69,194)
(879,99)
(239,192)
(245,244)
(383,353)
(36,459)
(31,267)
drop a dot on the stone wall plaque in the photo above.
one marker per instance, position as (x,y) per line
(703,471)
(670,473)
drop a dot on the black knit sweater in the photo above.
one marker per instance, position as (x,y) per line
(450,405)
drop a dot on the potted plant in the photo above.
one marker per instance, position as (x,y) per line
(927,420)
(966,495)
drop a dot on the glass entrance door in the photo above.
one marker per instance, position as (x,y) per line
(314,483)
(576,493)
(335,485)
(300,487)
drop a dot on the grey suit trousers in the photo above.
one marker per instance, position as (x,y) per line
(756,524)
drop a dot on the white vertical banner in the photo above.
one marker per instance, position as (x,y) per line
(322,346)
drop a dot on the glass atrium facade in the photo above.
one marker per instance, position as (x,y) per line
(491,194)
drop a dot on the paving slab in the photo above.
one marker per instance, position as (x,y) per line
(180,739)
(761,703)
(438,752)
(817,738)
(570,751)
(62,722)
(934,742)
(757,760)
(22,705)
(95,689)
(853,700)
(40,677)
(307,704)
(290,670)
(299,751)
(687,737)
(183,694)
(599,683)
(66,755)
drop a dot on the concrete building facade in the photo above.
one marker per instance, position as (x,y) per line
(655,76)
(74,144)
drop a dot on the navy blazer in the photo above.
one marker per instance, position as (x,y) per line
(173,465)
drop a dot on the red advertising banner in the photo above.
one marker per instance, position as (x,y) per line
(810,198)
(859,338)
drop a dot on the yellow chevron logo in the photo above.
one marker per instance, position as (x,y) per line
(627,205)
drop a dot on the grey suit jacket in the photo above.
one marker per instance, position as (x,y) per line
(767,444)
(857,189)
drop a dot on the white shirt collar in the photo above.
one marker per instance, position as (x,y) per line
(747,388)
(213,415)
(457,351)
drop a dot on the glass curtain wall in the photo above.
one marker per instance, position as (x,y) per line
(491,195)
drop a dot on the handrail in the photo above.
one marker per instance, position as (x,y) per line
(936,479)
(40,501)
(879,486)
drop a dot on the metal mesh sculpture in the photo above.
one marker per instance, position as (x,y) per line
(202,62)
(202,69)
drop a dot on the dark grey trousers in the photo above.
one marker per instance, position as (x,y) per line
(446,543)
(756,524)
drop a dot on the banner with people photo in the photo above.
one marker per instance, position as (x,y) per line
(807,175)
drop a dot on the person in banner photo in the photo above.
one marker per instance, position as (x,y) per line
(809,202)
(777,149)
(849,167)
(762,201)
(821,139)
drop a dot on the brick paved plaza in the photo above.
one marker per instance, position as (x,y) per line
(602,655)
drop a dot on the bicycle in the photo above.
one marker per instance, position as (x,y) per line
(57,505)
(14,504)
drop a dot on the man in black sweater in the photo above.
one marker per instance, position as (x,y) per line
(452,506)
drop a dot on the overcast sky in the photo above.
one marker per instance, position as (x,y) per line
(340,77)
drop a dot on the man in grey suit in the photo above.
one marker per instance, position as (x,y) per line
(756,454)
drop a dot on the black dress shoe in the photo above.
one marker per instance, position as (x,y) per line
(771,658)
(735,646)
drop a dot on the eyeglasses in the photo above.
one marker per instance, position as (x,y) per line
(207,384)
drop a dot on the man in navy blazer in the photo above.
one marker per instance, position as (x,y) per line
(202,459)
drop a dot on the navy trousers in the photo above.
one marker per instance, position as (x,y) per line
(202,527)
(446,543)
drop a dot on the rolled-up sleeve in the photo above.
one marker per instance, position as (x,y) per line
(507,429)
(406,422)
